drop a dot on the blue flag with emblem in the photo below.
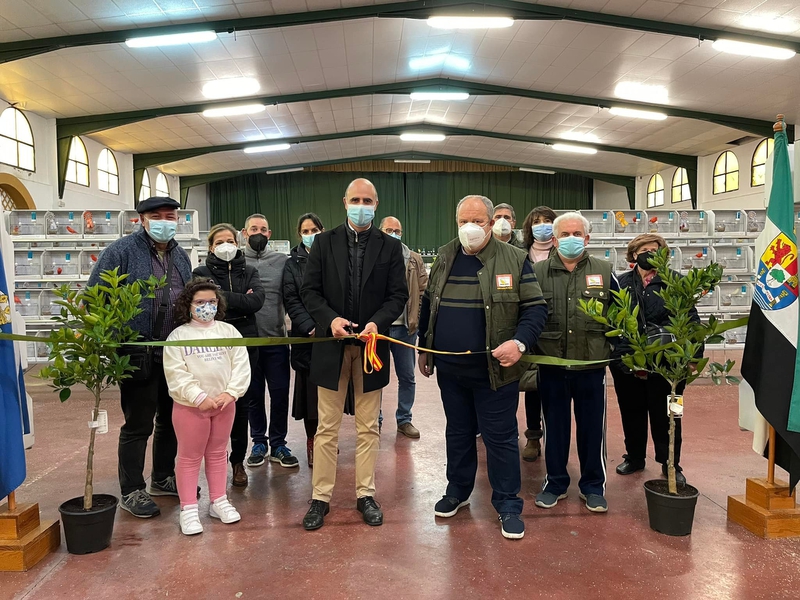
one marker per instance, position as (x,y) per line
(13,406)
(769,362)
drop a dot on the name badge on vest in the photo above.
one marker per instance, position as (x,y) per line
(594,281)
(504,282)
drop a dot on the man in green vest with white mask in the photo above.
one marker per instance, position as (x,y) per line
(566,277)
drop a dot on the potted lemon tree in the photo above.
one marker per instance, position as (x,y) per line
(93,324)
(671,353)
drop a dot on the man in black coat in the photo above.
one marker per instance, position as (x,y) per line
(354,284)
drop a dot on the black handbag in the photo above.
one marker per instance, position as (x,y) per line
(142,357)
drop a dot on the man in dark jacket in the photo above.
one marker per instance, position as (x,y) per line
(150,251)
(354,283)
(244,296)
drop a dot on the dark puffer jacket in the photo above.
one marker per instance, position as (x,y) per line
(235,278)
(302,322)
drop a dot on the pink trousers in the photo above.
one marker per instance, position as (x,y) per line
(202,435)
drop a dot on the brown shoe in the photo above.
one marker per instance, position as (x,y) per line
(408,430)
(239,475)
(532,451)
(310,451)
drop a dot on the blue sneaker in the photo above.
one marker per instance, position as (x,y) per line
(283,456)
(512,526)
(548,499)
(257,455)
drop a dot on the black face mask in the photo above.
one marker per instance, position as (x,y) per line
(258,241)
(643,260)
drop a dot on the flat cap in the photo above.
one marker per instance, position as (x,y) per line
(155,202)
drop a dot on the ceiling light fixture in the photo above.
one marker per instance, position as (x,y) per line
(437,60)
(412,161)
(757,50)
(652,115)
(231,88)
(279,171)
(470,22)
(580,137)
(576,149)
(266,148)
(772,23)
(175,39)
(439,95)
(542,171)
(422,137)
(643,92)
(230,111)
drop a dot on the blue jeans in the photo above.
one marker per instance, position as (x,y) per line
(404,362)
(272,367)
(470,403)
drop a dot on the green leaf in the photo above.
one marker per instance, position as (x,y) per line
(64,394)
(715,339)
(731,380)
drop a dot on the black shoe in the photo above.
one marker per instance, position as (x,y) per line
(629,466)
(371,510)
(315,517)
(139,504)
(680,478)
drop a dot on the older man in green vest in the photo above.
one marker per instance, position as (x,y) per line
(566,277)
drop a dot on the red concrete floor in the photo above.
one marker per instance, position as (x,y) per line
(567,552)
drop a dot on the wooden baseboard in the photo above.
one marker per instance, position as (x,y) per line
(770,524)
(23,554)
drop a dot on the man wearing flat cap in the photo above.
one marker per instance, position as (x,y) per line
(152,250)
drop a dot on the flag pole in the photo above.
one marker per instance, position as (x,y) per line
(12,501)
(771,456)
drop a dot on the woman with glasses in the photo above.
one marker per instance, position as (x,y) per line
(204,383)
(244,296)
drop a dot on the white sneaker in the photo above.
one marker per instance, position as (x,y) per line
(224,511)
(190,520)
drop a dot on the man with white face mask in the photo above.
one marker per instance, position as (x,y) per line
(482,298)
(505,220)
(152,250)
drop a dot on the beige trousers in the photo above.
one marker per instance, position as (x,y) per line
(326,442)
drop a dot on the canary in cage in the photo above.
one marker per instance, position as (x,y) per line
(621,218)
(88,221)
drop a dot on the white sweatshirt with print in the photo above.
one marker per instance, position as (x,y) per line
(195,371)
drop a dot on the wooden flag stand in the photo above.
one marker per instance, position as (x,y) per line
(767,508)
(24,539)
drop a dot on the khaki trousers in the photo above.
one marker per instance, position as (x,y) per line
(326,442)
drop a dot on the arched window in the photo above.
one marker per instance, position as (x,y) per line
(758,168)
(144,191)
(726,173)
(655,191)
(78,163)
(680,186)
(162,187)
(107,172)
(16,139)
(7,201)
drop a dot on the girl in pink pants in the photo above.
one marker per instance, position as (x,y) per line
(204,383)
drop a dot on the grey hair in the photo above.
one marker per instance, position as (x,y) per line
(572,216)
(486,202)
(505,206)
(389,217)
(255,216)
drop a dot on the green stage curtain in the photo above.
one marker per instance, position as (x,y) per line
(424,202)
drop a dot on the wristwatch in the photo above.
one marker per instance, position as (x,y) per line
(520,345)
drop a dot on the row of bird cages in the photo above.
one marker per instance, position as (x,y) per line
(733,259)
(33,264)
(684,223)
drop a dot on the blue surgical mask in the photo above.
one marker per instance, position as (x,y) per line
(308,239)
(206,312)
(542,232)
(570,247)
(395,236)
(360,215)
(161,230)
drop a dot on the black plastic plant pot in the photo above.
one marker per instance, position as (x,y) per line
(670,514)
(88,531)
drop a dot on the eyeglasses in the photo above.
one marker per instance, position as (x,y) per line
(390,231)
(199,303)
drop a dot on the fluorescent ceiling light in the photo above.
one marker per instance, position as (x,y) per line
(231,88)
(439,95)
(229,111)
(631,90)
(422,137)
(637,114)
(279,171)
(267,148)
(470,22)
(174,39)
(758,50)
(412,161)
(580,137)
(771,23)
(437,60)
(542,171)
(576,149)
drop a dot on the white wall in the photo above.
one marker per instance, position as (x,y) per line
(198,200)
(609,196)
(43,182)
